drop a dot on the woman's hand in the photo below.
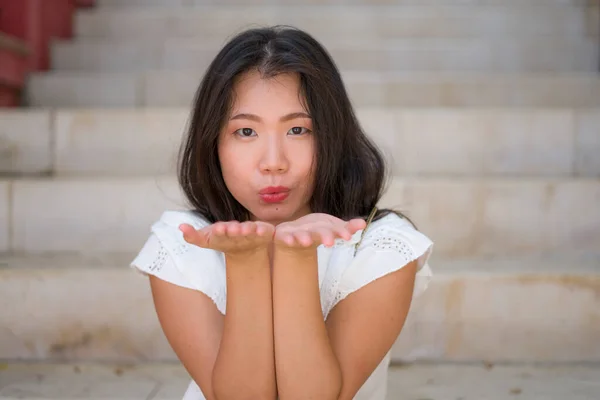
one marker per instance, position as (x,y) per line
(315,229)
(232,238)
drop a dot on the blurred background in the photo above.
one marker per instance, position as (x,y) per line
(487,110)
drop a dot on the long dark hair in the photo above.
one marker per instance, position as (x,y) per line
(351,174)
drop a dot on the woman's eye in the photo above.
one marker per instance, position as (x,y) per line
(245,132)
(298,130)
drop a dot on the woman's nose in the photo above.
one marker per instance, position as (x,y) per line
(274,157)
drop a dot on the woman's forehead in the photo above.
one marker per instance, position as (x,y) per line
(252,87)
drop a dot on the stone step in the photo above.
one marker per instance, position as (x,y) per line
(187,3)
(365,22)
(5,216)
(366,89)
(509,309)
(26,142)
(518,54)
(469,142)
(464,216)
(168,381)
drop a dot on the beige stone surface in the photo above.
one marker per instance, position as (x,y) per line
(165,89)
(531,216)
(529,142)
(409,20)
(426,142)
(494,382)
(89,215)
(187,54)
(141,3)
(488,142)
(587,142)
(79,382)
(592,23)
(5,210)
(381,127)
(25,142)
(447,210)
(525,54)
(416,381)
(506,310)
(409,89)
(444,141)
(499,217)
(464,216)
(153,3)
(511,309)
(118,142)
(81,89)
(485,90)
(80,312)
(105,55)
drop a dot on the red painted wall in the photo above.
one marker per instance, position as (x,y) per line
(36,23)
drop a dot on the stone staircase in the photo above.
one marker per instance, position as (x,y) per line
(448,53)
(487,110)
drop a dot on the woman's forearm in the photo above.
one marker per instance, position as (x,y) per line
(306,366)
(245,365)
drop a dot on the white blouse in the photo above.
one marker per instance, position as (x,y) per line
(389,244)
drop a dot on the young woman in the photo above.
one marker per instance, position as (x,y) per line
(283,280)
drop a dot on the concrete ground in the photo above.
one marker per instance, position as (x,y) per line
(410,382)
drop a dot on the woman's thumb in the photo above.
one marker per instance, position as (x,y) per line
(192,236)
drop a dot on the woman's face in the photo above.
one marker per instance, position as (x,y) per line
(267,148)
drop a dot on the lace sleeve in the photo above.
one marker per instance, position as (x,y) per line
(387,248)
(169,257)
(154,259)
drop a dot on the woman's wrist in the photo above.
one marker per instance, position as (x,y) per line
(258,256)
(283,251)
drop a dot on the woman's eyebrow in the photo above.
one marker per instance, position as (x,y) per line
(295,115)
(285,118)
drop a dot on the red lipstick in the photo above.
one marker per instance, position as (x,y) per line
(274,194)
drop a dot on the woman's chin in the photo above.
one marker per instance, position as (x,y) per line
(275,213)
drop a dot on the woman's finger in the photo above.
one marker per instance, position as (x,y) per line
(187,230)
(219,228)
(189,233)
(248,228)
(265,231)
(325,236)
(248,233)
(355,225)
(233,229)
(261,230)
(193,236)
(333,220)
(289,239)
(303,238)
(343,232)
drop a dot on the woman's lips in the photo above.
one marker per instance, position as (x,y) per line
(274,194)
(274,189)
(274,197)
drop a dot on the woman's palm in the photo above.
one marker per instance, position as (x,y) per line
(316,229)
(232,237)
